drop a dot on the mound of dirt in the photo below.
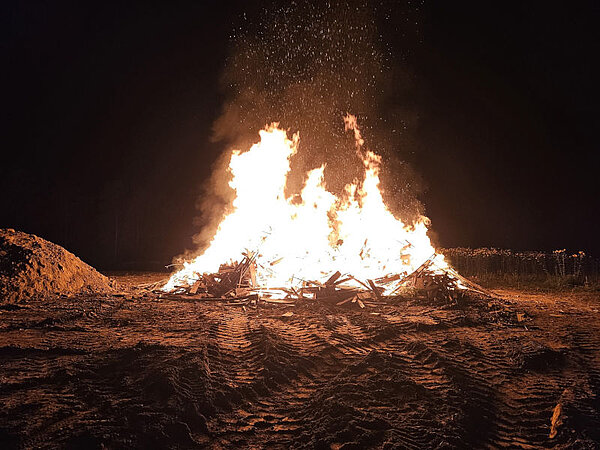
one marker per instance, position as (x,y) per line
(33,267)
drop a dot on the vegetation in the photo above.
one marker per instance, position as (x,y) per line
(557,270)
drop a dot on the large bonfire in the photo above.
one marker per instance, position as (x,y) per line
(285,244)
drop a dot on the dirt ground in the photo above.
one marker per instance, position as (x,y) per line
(143,371)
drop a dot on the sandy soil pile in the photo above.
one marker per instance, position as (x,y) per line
(31,266)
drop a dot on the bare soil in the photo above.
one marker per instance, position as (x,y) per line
(32,267)
(141,371)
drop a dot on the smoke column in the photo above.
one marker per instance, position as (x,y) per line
(305,65)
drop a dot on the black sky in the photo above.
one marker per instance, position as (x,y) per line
(108,110)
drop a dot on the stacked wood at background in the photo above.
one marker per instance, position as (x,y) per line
(490,261)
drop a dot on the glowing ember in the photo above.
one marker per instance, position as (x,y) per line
(314,236)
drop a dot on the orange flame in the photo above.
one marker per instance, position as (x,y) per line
(356,235)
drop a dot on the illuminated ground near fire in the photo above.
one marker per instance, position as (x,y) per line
(145,371)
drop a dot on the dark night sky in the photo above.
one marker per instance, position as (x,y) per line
(108,110)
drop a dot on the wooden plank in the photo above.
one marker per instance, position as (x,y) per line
(195,287)
(253,273)
(332,279)
(343,302)
(389,278)
(358,281)
(279,301)
(374,288)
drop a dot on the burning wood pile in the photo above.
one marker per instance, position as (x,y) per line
(313,245)
(236,284)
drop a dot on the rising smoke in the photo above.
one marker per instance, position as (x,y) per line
(305,65)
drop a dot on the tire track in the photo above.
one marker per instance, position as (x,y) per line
(182,374)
